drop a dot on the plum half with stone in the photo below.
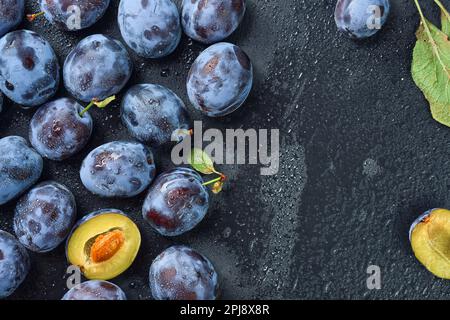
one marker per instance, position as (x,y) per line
(430,238)
(61,128)
(103,244)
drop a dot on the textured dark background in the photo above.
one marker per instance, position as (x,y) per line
(361,157)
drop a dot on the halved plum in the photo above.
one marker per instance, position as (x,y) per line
(430,241)
(103,244)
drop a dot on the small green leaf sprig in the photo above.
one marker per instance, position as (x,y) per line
(202,163)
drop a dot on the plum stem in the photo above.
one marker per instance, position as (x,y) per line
(218,179)
(32,17)
(87,108)
(98,103)
(441,6)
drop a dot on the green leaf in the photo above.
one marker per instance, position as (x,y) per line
(431,69)
(445,22)
(201,162)
(104,103)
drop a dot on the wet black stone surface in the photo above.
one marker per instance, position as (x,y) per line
(361,157)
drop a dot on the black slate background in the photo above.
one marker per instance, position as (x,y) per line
(361,157)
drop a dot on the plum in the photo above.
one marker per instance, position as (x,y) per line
(361,18)
(180,273)
(152,113)
(14,264)
(20,167)
(210,21)
(97,68)
(150,28)
(72,15)
(176,202)
(118,169)
(103,244)
(11,14)
(95,290)
(220,80)
(57,131)
(29,68)
(1,102)
(44,216)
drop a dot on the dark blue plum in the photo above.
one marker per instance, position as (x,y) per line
(14,264)
(20,167)
(220,80)
(1,102)
(176,202)
(95,290)
(210,21)
(118,169)
(152,113)
(180,273)
(11,14)
(57,131)
(29,68)
(361,18)
(151,28)
(72,15)
(97,68)
(44,216)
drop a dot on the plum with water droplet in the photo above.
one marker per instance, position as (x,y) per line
(176,202)
(58,131)
(210,21)
(150,28)
(14,264)
(29,68)
(118,169)
(181,273)
(44,216)
(152,113)
(73,15)
(95,290)
(97,68)
(20,167)
(220,80)
(361,18)
(11,14)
